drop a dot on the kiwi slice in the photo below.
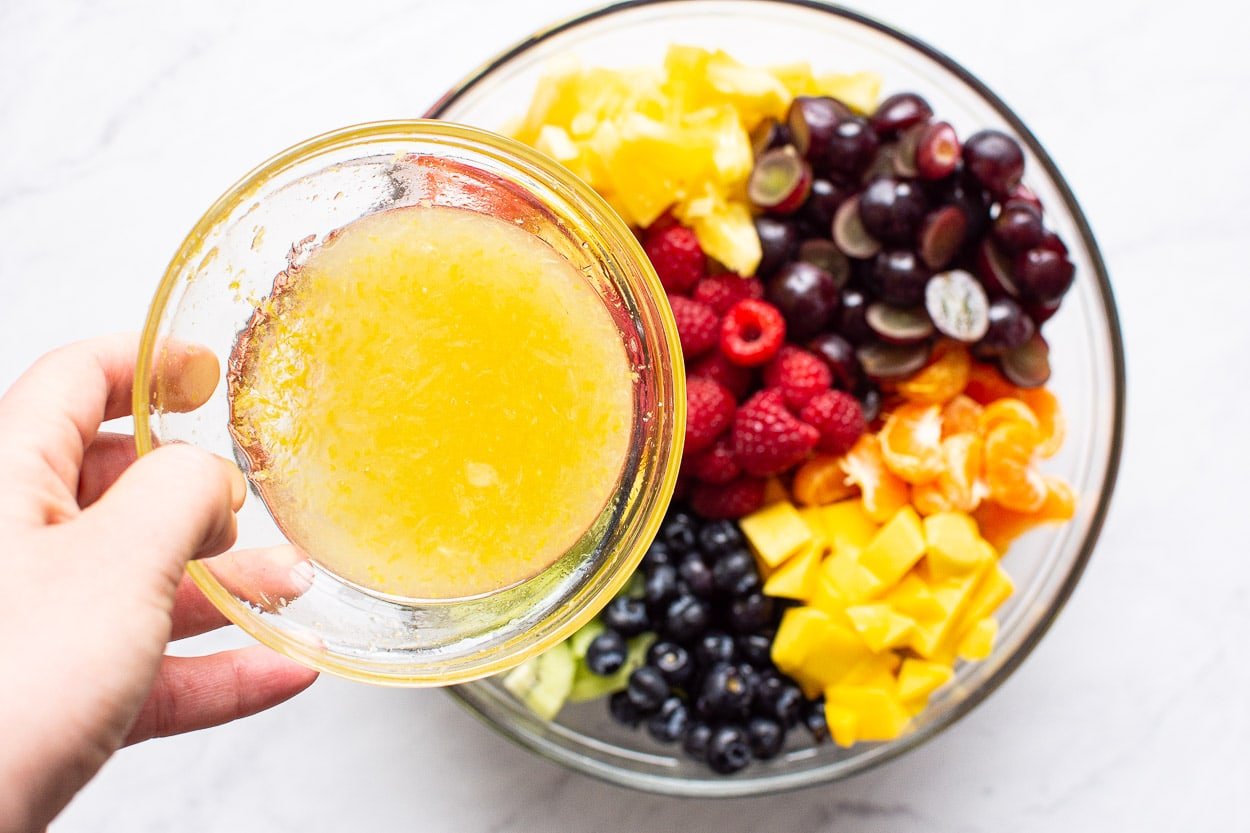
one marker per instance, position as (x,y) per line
(544,682)
(589,686)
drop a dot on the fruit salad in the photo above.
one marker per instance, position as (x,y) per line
(860,294)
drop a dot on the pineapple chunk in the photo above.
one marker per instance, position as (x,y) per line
(775,532)
(858,90)
(896,547)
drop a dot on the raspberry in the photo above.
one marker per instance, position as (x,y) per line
(676,255)
(709,411)
(697,325)
(715,465)
(799,374)
(838,417)
(752,333)
(730,500)
(720,292)
(716,367)
(767,438)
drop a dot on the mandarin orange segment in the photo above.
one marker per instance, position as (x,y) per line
(942,380)
(911,442)
(1000,525)
(985,384)
(930,498)
(963,456)
(1009,472)
(883,492)
(1008,409)
(821,481)
(962,415)
(1045,406)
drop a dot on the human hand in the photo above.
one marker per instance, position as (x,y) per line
(92,550)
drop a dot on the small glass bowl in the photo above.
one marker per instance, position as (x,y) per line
(273,218)
(1087,358)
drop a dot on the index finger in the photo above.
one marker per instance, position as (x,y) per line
(56,407)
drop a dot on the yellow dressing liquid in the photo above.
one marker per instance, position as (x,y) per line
(435,405)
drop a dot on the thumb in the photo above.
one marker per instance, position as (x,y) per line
(172,505)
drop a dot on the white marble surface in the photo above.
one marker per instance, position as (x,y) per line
(120,123)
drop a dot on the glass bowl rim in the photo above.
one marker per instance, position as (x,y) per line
(783,782)
(583,200)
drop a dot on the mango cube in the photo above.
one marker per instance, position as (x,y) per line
(811,645)
(880,625)
(991,593)
(828,599)
(913,597)
(775,532)
(952,597)
(815,520)
(954,548)
(848,525)
(979,640)
(843,723)
(880,715)
(896,547)
(918,678)
(796,578)
(875,670)
(852,580)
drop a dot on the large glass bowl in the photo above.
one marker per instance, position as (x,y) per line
(1087,359)
(270,221)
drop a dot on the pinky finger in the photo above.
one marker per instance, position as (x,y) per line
(192,693)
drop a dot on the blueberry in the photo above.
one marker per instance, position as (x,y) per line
(660,585)
(606,653)
(814,719)
(697,575)
(728,750)
(658,553)
(748,584)
(668,725)
(626,616)
(672,661)
(780,699)
(750,613)
(713,648)
(686,618)
(732,569)
(766,737)
(679,531)
(719,537)
(726,691)
(695,743)
(756,648)
(623,710)
(646,689)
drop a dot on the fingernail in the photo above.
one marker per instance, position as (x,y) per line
(302,576)
(238,484)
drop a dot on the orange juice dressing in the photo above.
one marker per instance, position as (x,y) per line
(436,404)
